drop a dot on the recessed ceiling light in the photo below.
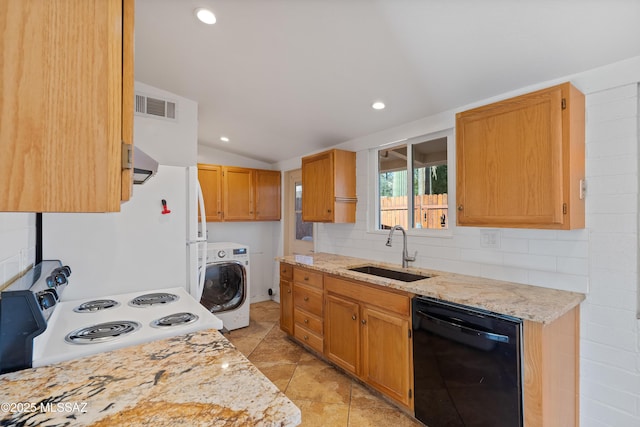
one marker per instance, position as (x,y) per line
(224,139)
(205,15)
(378,105)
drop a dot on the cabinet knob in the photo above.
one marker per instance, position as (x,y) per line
(460,207)
(353,317)
(306,337)
(328,210)
(306,298)
(288,291)
(306,277)
(364,322)
(306,320)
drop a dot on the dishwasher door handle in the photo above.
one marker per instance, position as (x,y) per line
(465,329)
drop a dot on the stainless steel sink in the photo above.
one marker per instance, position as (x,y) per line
(403,276)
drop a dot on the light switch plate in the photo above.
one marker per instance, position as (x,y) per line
(490,239)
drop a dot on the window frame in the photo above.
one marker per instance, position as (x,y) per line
(373,210)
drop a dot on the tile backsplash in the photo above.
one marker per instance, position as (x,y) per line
(17,244)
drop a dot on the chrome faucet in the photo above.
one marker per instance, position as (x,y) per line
(406,259)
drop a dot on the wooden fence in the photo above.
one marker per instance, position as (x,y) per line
(430,211)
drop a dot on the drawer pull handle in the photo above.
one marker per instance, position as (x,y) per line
(306,337)
(306,277)
(353,317)
(306,320)
(306,298)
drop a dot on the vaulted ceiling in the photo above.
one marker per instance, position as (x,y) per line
(283,78)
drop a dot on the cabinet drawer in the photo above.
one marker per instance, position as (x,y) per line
(286,271)
(395,302)
(307,299)
(309,338)
(309,321)
(307,277)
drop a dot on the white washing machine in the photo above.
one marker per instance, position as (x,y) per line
(226,283)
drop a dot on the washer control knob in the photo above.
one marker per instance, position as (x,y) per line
(222,254)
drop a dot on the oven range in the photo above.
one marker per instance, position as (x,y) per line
(65,330)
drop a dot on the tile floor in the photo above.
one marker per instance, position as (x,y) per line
(325,396)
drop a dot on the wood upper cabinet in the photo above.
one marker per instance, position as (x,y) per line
(238,193)
(210,177)
(67,104)
(521,161)
(267,195)
(367,333)
(329,183)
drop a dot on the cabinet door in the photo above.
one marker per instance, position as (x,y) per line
(514,161)
(210,177)
(67,65)
(342,333)
(267,186)
(286,306)
(386,353)
(238,193)
(318,185)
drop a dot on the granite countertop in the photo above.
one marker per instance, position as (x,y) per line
(194,379)
(527,302)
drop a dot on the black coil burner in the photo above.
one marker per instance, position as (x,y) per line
(176,319)
(148,300)
(96,305)
(102,332)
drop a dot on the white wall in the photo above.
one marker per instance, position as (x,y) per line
(600,260)
(262,237)
(169,142)
(17,244)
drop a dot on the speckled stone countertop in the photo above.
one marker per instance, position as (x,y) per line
(198,379)
(524,301)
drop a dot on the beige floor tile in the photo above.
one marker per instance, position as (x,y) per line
(319,383)
(319,414)
(272,350)
(278,373)
(245,345)
(375,417)
(362,397)
(266,311)
(256,329)
(325,396)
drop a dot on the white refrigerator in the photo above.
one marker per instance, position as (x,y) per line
(138,249)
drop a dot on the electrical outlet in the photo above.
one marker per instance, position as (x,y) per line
(490,239)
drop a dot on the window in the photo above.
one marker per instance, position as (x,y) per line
(413,185)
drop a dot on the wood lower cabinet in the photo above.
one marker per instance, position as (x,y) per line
(67,104)
(520,161)
(308,308)
(551,360)
(386,353)
(342,318)
(368,333)
(286,298)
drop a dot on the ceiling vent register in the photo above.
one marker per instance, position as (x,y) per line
(156,107)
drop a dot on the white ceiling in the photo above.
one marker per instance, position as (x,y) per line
(284,78)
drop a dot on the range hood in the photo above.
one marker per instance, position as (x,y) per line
(144,167)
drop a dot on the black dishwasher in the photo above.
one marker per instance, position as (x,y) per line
(467,366)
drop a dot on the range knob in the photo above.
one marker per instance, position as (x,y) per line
(222,254)
(65,269)
(56,279)
(47,298)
